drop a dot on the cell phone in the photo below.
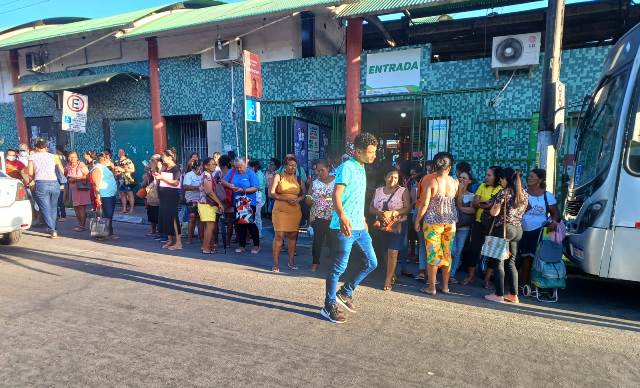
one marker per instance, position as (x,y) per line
(145,163)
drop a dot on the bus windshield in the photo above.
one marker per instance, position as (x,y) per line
(633,154)
(597,138)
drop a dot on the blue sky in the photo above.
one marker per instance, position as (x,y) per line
(15,12)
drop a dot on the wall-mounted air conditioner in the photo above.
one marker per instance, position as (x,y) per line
(225,51)
(33,61)
(516,51)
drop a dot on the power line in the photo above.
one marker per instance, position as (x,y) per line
(9,3)
(24,6)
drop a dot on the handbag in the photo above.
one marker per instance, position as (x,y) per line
(393,226)
(497,247)
(152,195)
(142,193)
(82,185)
(99,226)
(244,212)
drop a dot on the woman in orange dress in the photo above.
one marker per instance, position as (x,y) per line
(287,193)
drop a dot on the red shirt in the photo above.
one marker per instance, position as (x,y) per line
(15,168)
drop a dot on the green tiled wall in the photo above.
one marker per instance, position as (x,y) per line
(458,90)
(8,131)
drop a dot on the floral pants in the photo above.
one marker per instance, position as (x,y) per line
(439,240)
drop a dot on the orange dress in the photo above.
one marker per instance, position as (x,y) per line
(286,217)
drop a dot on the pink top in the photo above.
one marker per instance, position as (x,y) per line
(395,203)
(79,197)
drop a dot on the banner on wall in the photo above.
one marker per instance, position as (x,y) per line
(313,142)
(74,112)
(252,74)
(300,142)
(396,71)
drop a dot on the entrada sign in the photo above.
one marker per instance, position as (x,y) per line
(396,71)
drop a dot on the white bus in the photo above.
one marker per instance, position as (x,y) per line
(602,209)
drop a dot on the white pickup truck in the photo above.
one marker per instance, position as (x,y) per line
(15,208)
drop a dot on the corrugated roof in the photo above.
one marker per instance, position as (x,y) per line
(381,7)
(430,19)
(43,33)
(73,83)
(227,12)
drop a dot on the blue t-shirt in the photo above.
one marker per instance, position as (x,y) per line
(243,181)
(352,176)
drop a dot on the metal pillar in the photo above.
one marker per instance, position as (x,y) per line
(159,127)
(552,97)
(21,124)
(353,105)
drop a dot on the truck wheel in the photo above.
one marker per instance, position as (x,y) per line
(11,238)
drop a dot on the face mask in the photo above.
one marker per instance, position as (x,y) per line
(11,158)
(23,153)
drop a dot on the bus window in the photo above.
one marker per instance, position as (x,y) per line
(633,152)
(598,134)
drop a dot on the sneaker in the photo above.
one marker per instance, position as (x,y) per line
(345,301)
(332,313)
(239,250)
(54,234)
(494,298)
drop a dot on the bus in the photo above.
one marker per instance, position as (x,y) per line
(602,208)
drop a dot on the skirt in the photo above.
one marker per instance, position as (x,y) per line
(207,212)
(168,215)
(285,217)
(439,240)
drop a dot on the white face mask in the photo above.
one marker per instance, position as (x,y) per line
(11,158)
(23,153)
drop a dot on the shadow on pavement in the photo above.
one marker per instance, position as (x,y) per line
(164,282)
(586,300)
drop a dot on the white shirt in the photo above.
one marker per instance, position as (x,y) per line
(44,166)
(192,179)
(536,216)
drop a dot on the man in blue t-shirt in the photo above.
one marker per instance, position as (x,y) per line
(348,227)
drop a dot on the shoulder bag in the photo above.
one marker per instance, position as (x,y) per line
(497,247)
(81,185)
(393,226)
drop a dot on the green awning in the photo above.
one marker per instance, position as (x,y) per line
(228,12)
(72,83)
(434,7)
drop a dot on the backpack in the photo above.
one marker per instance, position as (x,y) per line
(220,192)
(228,192)
(549,270)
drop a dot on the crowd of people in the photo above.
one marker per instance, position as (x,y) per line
(435,214)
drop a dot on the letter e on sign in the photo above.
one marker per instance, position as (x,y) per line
(75,103)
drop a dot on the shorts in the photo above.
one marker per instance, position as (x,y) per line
(192,208)
(207,213)
(529,243)
(122,188)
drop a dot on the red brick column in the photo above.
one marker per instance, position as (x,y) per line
(159,127)
(353,106)
(21,124)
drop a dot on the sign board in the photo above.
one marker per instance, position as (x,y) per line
(74,112)
(324,143)
(252,74)
(395,71)
(313,142)
(252,110)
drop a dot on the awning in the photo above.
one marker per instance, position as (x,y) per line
(71,83)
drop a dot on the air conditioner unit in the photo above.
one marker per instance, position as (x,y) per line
(33,61)
(515,51)
(225,50)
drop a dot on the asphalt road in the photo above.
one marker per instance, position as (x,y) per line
(76,312)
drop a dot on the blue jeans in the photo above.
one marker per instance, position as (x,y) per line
(341,250)
(422,251)
(46,194)
(108,208)
(458,247)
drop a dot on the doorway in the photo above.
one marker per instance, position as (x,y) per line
(188,134)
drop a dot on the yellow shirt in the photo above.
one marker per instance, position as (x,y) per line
(485,193)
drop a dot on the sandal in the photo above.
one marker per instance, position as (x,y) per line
(512,299)
(467,281)
(206,252)
(445,291)
(275,269)
(387,287)
(428,291)
(292,267)
(79,229)
(314,267)
(173,248)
